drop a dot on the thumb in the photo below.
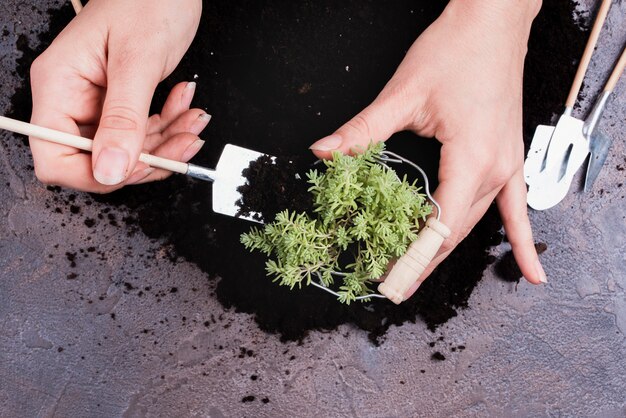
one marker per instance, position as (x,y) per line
(375,123)
(122,128)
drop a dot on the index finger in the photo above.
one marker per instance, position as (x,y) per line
(514,212)
(455,198)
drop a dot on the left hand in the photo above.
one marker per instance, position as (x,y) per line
(461,82)
(97,80)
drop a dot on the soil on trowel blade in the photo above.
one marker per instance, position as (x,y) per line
(276,76)
(274,185)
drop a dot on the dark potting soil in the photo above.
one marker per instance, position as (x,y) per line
(273,185)
(276,76)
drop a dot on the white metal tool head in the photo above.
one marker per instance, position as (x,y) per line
(548,187)
(227,178)
(557,153)
(599,147)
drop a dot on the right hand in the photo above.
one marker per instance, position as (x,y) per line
(461,82)
(97,80)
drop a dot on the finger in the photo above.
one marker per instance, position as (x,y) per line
(475,214)
(182,147)
(192,121)
(177,103)
(66,170)
(67,166)
(88,131)
(52,106)
(454,197)
(514,213)
(122,128)
(59,164)
(377,122)
(456,191)
(501,170)
(139,175)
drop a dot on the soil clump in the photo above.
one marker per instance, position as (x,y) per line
(272,186)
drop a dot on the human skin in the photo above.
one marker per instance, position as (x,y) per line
(461,82)
(97,79)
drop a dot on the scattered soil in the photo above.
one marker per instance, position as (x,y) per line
(277,76)
(506,267)
(437,356)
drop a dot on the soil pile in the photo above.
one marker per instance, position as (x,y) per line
(274,185)
(276,76)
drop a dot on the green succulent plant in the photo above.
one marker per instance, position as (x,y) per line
(364,216)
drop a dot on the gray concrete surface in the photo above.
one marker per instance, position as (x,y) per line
(555,350)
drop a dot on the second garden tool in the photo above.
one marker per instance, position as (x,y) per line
(543,191)
(557,153)
(599,143)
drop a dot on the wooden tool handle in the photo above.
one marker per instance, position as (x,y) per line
(412,264)
(586,58)
(617,72)
(78,6)
(81,143)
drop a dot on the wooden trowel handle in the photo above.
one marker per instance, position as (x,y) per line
(84,144)
(412,264)
(617,72)
(78,6)
(586,58)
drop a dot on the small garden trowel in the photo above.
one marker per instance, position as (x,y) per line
(226,177)
(599,143)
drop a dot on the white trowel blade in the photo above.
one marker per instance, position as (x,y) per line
(537,153)
(548,187)
(229,178)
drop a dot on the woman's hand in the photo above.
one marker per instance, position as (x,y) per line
(97,80)
(461,82)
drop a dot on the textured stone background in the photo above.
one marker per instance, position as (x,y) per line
(555,350)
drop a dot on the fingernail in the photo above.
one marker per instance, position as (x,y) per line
(111,166)
(188,93)
(200,123)
(140,175)
(192,150)
(542,274)
(330,143)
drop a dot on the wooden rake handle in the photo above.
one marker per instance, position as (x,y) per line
(586,58)
(78,6)
(617,72)
(81,143)
(412,264)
